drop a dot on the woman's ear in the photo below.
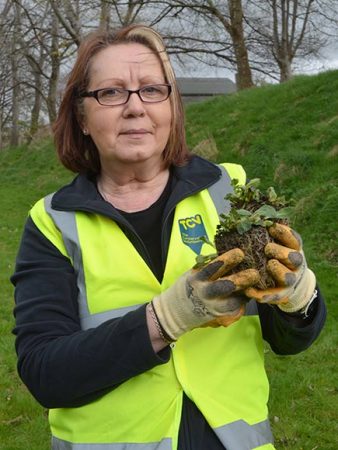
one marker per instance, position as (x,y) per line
(81,120)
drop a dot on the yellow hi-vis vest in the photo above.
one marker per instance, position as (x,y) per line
(220,369)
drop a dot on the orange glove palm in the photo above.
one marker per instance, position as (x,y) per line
(200,296)
(287,264)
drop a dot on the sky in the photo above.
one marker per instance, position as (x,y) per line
(328,61)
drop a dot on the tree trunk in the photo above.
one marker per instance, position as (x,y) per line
(35,112)
(285,69)
(54,74)
(105,14)
(244,75)
(14,136)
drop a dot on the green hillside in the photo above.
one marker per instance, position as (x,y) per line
(287,135)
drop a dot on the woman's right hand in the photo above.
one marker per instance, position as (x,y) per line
(203,297)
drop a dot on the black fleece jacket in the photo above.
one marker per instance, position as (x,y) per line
(65,366)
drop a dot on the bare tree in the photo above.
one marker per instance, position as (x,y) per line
(33,48)
(128,11)
(244,75)
(39,41)
(15,56)
(105,14)
(55,59)
(287,29)
(216,33)
(68,14)
(5,73)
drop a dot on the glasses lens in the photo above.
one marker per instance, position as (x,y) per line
(112,96)
(154,93)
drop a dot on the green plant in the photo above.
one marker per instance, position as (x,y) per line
(251,207)
(251,213)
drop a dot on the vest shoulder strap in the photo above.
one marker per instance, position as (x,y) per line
(222,187)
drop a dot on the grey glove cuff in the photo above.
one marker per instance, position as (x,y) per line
(302,295)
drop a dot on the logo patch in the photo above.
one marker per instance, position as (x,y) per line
(192,229)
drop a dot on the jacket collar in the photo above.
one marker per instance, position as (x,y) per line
(82,194)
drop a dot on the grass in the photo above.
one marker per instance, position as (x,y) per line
(26,175)
(287,135)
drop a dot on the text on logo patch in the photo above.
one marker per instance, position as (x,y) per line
(192,229)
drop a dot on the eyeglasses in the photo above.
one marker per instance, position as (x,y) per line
(113,96)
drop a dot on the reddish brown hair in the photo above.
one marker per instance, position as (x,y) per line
(77,151)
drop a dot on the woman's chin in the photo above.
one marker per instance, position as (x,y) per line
(138,155)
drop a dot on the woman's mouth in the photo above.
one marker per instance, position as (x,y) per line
(135,132)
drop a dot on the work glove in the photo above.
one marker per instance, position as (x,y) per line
(295,282)
(200,296)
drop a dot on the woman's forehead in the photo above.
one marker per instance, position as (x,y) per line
(117,58)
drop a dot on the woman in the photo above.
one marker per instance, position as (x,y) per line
(116,334)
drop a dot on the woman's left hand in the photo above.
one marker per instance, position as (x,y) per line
(295,282)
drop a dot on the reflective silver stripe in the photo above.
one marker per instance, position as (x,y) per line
(237,435)
(95,320)
(240,435)
(65,221)
(59,444)
(219,190)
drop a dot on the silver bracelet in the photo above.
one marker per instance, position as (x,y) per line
(306,308)
(157,324)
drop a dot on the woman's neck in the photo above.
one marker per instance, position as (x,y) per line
(134,190)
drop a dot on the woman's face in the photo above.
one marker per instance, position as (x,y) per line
(136,131)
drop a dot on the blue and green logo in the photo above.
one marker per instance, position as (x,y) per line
(192,229)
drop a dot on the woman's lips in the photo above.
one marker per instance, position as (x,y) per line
(135,132)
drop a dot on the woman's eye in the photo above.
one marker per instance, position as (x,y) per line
(110,93)
(151,90)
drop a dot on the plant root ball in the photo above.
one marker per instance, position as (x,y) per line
(252,243)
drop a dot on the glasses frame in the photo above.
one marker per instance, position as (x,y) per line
(95,94)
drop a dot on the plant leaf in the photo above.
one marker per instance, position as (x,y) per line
(267,211)
(271,194)
(243,212)
(202,260)
(254,183)
(243,227)
(206,240)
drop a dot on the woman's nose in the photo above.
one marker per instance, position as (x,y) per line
(134,106)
